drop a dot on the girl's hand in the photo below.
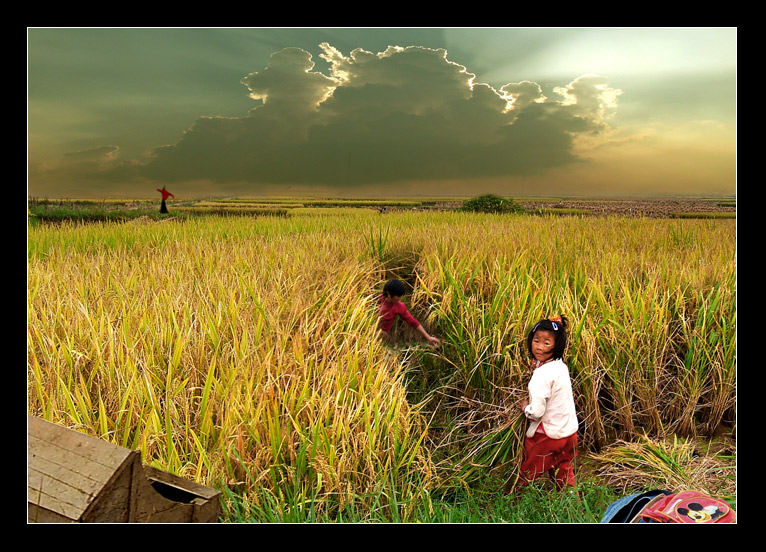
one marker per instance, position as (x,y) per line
(522,403)
(433,340)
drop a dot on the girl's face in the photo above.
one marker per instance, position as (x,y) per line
(392,298)
(542,345)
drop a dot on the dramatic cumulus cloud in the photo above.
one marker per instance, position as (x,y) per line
(399,115)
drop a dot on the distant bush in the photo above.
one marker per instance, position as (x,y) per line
(490,203)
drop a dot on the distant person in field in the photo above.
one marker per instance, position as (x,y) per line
(165,195)
(550,446)
(391,305)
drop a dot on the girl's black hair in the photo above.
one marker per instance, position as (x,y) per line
(394,288)
(557,327)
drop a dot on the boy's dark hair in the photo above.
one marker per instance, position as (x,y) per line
(394,288)
(556,325)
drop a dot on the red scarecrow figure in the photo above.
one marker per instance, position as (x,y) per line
(165,195)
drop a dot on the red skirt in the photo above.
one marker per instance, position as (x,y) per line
(552,456)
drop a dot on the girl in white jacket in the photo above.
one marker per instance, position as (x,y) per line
(551,442)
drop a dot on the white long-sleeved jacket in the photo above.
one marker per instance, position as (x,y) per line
(551,402)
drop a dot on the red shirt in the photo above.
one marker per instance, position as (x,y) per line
(388,312)
(165,194)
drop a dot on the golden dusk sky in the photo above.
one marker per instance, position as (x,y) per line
(119,112)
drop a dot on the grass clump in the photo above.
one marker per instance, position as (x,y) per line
(674,464)
(491,203)
(537,503)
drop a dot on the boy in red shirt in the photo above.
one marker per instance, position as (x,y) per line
(391,306)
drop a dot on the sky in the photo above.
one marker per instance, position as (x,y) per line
(381,112)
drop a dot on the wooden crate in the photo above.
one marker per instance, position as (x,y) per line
(73,477)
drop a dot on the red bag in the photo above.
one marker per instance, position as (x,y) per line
(688,507)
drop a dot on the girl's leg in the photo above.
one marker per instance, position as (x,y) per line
(563,470)
(529,465)
(538,457)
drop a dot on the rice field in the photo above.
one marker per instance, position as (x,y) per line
(242,353)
